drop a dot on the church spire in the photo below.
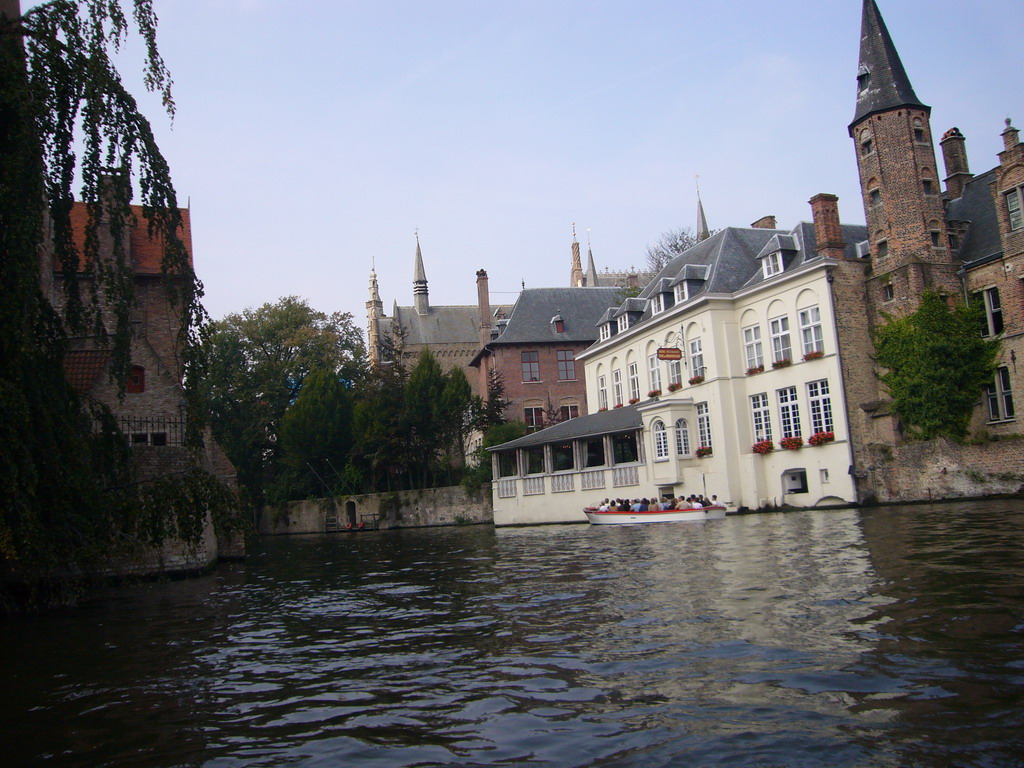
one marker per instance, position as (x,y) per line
(703,233)
(882,83)
(576,276)
(419,283)
(374,313)
(590,280)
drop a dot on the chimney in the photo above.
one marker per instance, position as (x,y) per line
(765,222)
(954,154)
(483,302)
(828,234)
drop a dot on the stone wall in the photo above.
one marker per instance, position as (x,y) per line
(942,469)
(404,509)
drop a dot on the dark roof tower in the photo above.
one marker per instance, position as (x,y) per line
(882,83)
(420,298)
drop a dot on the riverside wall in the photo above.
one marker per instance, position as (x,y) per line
(941,469)
(402,509)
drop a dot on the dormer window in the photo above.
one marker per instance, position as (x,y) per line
(558,323)
(682,293)
(863,80)
(623,322)
(772,264)
(658,303)
(606,331)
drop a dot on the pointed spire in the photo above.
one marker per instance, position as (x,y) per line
(703,233)
(419,282)
(882,83)
(590,279)
(576,267)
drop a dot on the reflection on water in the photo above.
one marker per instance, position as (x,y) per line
(887,637)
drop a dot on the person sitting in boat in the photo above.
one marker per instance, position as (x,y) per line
(645,505)
(604,506)
(624,505)
(696,503)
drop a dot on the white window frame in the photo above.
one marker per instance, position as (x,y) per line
(772,264)
(633,372)
(819,402)
(1015,207)
(752,346)
(606,331)
(789,412)
(617,386)
(778,329)
(703,425)
(602,391)
(760,413)
(683,438)
(623,322)
(697,367)
(657,303)
(660,441)
(682,292)
(810,330)
(993,312)
(675,372)
(654,372)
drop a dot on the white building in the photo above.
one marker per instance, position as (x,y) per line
(750,315)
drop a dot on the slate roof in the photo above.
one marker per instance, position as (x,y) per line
(888,86)
(579,308)
(801,244)
(441,325)
(976,206)
(147,254)
(625,419)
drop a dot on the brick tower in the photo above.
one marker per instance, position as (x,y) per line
(896,159)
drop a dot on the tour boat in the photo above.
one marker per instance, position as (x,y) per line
(615,517)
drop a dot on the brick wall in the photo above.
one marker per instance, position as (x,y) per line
(549,391)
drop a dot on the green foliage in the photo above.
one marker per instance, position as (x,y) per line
(936,366)
(481,472)
(257,362)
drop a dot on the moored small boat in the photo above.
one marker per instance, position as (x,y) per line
(615,517)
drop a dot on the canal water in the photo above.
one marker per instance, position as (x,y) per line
(883,637)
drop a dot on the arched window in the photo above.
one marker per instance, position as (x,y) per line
(136,380)
(682,438)
(660,441)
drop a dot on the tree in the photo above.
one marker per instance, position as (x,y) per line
(61,102)
(668,246)
(424,415)
(257,362)
(936,366)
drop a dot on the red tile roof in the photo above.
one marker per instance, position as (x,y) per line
(82,366)
(146,253)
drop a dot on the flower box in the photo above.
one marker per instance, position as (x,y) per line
(703,451)
(783,363)
(791,443)
(654,393)
(697,380)
(820,438)
(634,400)
(618,405)
(814,355)
(763,446)
(755,370)
(674,387)
(602,409)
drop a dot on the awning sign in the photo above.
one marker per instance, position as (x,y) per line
(670,353)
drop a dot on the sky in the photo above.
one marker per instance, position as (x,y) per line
(314,138)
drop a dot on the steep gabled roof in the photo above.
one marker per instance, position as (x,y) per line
(976,206)
(579,308)
(882,82)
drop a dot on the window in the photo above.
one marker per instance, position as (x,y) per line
(682,438)
(1013,207)
(926,186)
(820,403)
(936,238)
(703,425)
(531,366)
(794,481)
(602,392)
(761,417)
(563,458)
(657,303)
(919,134)
(992,323)
(675,372)
(617,386)
(863,81)
(606,331)
(772,264)
(810,330)
(566,365)
(507,464)
(634,382)
(654,372)
(697,358)
(887,292)
(883,248)
(595,452)
(567,412)
(682,294)
(660,442)
(866,147)
(1000,396)
(136,380)
(535,460)
(778,327)
(623,322)
(789,412)
(534,418)
(752,347)
(874,197)
(624,448)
